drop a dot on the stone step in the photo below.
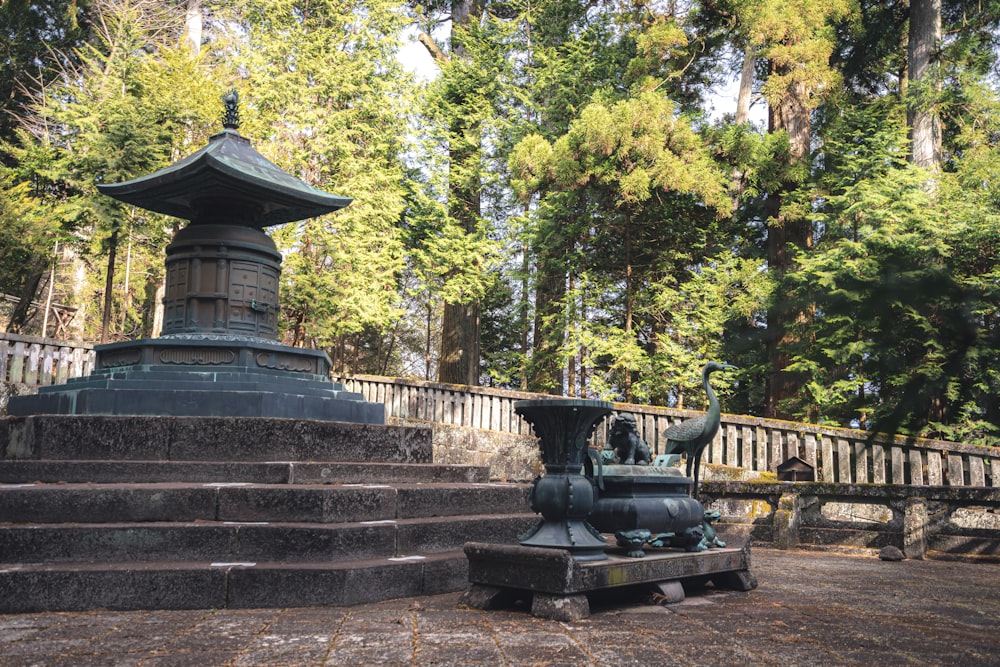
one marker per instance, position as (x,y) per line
(29,588)
(242,501)
(101,437)
(271,472)
(229,541)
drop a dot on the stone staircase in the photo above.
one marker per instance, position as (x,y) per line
(190,512)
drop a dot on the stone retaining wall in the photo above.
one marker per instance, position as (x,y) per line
(510,457)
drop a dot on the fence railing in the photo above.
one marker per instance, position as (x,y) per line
(38,362)
(838,455)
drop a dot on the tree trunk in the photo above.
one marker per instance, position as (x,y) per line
(193,26)
(924,42)
(545,370)
(109,284)
(459,362)
(19,318)
(459,357)
(746,86)
(792,115)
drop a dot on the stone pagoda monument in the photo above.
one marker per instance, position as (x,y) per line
(218,354)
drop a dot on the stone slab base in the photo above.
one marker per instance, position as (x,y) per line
(32,588)
(157,438)
(558,585)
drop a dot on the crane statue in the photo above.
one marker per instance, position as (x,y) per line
(692,436)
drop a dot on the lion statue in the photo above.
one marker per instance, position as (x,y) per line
(625,440)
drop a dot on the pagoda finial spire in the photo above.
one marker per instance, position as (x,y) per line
(231,120)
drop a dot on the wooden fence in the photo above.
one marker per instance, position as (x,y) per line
(38,362)
(839,455)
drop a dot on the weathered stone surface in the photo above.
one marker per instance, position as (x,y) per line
(116,438)
(108,472)
(316,543)
(26,471)
(295,440)
(985,546)
(786,522)
(84,587)
(891,553)
(554,571)
(374,473)
(565,608)
(670,592)
(210,439)
(510,457)
(312,585)
(915,528)
(84,503)
(846,537)
(448,533)
(479,596)
(75,543)
(441,500)
(939,521)
(327,504)
(846,607)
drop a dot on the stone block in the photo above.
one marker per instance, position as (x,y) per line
(328,504)
(555,572)
(109,472)
(106,503)
(445,573)
(75,543)
(915,520)
(442,500)
(669,592)
(302,542)
(306,584)
(565,608)
(510,457)
(450,533)
(386,473)
(232,439)
(88,437)
(787,518)
(34,589)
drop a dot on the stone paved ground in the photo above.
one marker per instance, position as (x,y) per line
(810,609)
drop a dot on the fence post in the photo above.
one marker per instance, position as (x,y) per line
(826,442)
(915,528)
(934,476)
(5,352)
(843,461)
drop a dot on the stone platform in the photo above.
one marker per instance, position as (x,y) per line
(204,376)
(558,585)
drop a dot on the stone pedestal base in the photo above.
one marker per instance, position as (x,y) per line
(558,585)
(204,375)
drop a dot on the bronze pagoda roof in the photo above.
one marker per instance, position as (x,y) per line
(226,182)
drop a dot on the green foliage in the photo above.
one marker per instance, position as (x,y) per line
(325,98)
(559,186)
(904,286)
(37,39)
(122,110)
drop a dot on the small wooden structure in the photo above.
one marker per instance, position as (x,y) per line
(796,470)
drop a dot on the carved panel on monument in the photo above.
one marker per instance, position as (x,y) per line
(201,356)
(119,358)
(286,362)
(253,298)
